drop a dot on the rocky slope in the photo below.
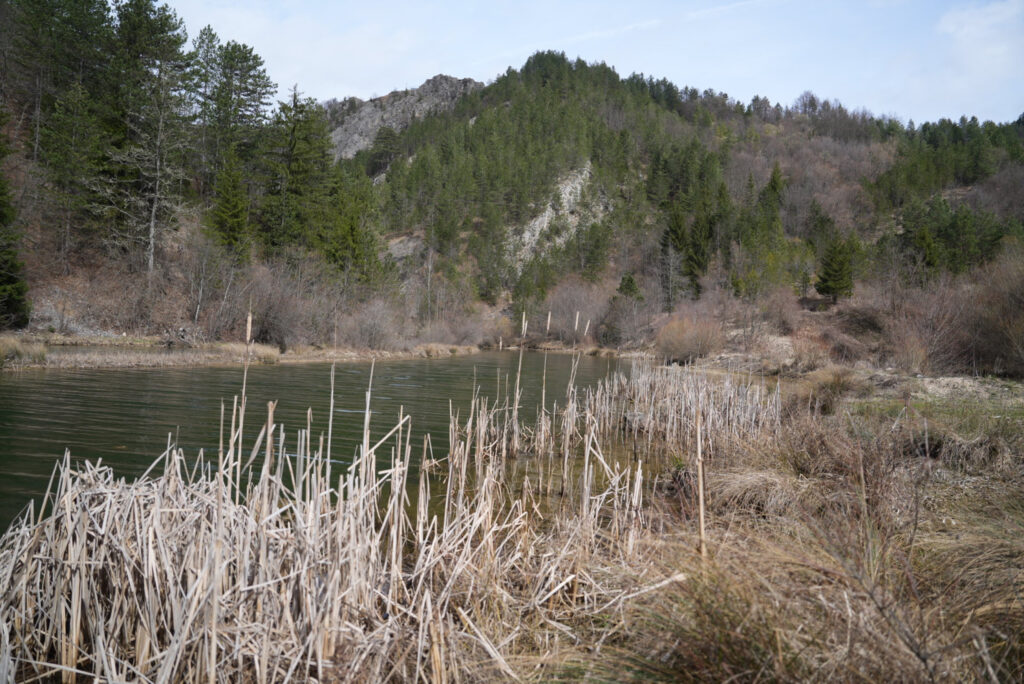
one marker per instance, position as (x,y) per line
(358,121)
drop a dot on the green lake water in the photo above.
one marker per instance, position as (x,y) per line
(124,416)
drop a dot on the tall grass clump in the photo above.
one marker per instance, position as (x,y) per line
(15,352)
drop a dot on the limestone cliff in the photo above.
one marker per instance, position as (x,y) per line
(356,122)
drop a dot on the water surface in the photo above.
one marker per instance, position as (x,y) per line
(126,416)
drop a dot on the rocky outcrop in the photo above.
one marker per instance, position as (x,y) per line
(357,121)
(569,212)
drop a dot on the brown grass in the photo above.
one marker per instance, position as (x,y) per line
(562,550)
(15,352)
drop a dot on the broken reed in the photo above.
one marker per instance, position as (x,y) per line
(264,569)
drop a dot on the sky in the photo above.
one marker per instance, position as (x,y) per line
(915,60)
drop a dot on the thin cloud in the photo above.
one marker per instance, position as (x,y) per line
(612,33)
(722,9)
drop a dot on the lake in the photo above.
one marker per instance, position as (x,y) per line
(124,416)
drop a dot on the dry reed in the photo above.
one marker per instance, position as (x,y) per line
(541,551)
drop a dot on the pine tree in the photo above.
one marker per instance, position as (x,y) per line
(147,164)
(299,169)
(229,215)
(73,145)
(14,304)
(835,276)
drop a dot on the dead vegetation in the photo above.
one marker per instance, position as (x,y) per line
(566,549)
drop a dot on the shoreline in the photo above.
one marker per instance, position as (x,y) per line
(34,351)
(52,351)
(49,351)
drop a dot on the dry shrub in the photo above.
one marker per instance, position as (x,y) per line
(810,352)
(277,306)
(927,334)
(996,318)
(465,328)
(570,297)
(861,318)
(826,387)
(373,325)
(781,311)
(842,347)
(684,340)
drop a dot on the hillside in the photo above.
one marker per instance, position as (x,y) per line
(160,190)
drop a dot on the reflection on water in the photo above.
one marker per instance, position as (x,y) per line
(127,416)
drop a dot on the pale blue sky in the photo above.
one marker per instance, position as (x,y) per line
(914,59)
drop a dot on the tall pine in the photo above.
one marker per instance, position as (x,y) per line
(14,304)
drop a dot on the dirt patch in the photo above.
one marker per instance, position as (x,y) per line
(970,388)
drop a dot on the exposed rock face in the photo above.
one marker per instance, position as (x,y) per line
(571,211)
(359,121)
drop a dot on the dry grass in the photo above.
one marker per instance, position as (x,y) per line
(544,552)
(432,350)
(15,352)
(211,354)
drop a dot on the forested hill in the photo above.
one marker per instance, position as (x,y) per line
(148,167)
(681,182)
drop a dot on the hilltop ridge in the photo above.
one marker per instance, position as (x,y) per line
(355,122)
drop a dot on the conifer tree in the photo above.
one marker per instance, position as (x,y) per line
(14,304)
(835,276)
(74,145)
(229,215)
(147,163)
(300,174)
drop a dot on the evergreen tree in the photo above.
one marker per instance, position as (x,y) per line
(835,275)
(55,44)
(14,304)
(629,288)
(346,238)
(299,169)
(147,166)
(202,80)
(74,145)
(240,99)
(229,217)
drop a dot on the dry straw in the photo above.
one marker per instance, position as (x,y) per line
(269,565)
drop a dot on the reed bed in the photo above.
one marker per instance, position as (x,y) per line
(16,353)
(587,544)
(267,566)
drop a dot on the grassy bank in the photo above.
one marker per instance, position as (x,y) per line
(66,352)
(665,526)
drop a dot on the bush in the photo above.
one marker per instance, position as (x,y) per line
(782,311)
(996,320)
(928,333)
(683,340)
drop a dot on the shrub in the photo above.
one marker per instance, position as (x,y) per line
(683,340)
(928,334)
(809,353)
(782,311)
(996,320)
(827,386)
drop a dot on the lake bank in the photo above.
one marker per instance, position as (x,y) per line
(26,351)
(57,351)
